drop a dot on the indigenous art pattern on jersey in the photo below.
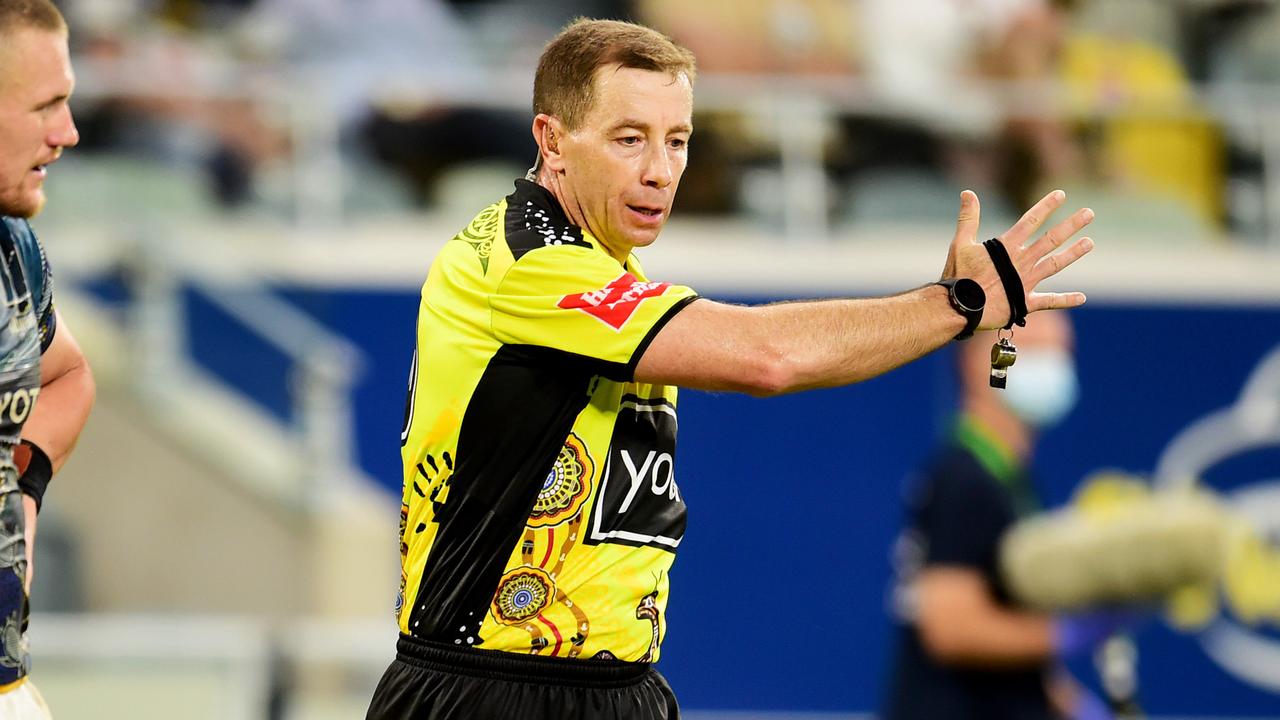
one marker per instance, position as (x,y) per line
(540,511)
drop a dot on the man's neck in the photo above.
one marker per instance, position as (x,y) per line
(572,210)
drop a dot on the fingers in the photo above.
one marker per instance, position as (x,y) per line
(1054,301)
(1060,233)
(1034,218)
(1053,264)
(967,220)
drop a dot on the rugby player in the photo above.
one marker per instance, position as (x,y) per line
(46,388)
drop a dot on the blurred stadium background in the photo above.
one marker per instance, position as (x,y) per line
(261,185)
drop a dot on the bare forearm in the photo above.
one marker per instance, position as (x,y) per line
(788,347)
(29,534)
(60,413)
(838,342)
(999,638)
(960,622)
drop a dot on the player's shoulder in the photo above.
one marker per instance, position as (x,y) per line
(534,220)
(24,239)
(19,230)
(953,470)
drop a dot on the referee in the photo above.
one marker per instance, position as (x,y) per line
(541,512)
(39,359)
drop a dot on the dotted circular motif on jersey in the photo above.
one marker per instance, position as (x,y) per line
(522,594)
(566,486)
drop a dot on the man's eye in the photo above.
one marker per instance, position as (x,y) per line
(678,143)
(629,140)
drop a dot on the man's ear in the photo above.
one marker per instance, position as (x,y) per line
(548,132)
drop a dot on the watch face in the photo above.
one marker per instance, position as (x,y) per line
(969,294)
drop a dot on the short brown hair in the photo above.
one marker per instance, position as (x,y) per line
(34,14)
(565,82)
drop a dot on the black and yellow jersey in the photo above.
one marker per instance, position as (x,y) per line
(540,510)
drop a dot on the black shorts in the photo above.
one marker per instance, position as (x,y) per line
(428,681)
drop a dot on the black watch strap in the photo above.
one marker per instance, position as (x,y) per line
(971,313)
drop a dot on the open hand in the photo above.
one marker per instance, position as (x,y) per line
(1035,262)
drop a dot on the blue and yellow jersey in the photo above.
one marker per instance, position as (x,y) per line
(27,325)
(540,511)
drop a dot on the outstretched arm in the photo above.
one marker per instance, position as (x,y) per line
(774,349)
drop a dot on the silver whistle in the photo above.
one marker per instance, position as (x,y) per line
(1003,354)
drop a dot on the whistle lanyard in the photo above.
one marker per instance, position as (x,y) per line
(998,460)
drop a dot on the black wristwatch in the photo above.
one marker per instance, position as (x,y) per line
(968,299)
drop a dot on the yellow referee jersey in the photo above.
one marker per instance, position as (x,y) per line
(540,510)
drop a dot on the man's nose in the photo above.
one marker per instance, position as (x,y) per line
(657,170)
(64,132)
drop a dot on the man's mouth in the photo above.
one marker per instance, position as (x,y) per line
(652,212)
(43,168)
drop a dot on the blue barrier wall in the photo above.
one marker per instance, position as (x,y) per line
(778,595)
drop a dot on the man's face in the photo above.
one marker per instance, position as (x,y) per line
(623,164)
(35,119)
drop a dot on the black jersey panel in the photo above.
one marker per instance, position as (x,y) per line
(515,424)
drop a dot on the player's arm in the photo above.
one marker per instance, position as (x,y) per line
(960,623)
(774,349)
(783,348)
(67,392)
(66,395)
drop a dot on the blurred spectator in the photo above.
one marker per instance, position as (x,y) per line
(769,37)
(965,651)
(1150,137)
(395,79)
(246,89)
(1236,43)
(930,62)
(352,52)
(173,95)
(402,77)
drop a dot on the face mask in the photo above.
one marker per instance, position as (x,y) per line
(1043,389)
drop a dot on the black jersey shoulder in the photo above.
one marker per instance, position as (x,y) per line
(27,245)
(535,220)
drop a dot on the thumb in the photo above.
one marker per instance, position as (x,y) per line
(967,220)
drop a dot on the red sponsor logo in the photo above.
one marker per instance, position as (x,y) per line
(614,303)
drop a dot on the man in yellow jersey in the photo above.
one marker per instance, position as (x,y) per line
(39,359)
(540,512)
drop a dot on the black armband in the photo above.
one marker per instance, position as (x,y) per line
(35,479)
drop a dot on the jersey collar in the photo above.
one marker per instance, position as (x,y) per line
(542,198)
(997,458)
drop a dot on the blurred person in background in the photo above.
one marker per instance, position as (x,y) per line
(964,649)
(171,94)
(928,62)
(38,356)
(769,40)
(928,117)
(406,81)
(540,513)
